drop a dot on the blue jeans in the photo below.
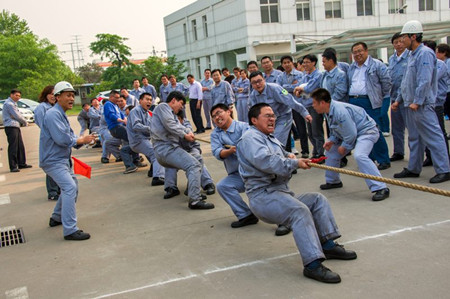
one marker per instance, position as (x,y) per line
(380,151)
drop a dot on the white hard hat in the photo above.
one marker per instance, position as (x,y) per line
(63,86)
(412,27)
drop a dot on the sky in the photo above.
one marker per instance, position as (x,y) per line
(141,21)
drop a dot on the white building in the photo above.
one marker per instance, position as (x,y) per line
(228,33)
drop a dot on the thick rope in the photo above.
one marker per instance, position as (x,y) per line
(382,179)
(371,177)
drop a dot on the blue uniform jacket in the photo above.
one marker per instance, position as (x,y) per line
(419,84)
(286,80)
(209,84)
(347,122)
(272,78)
(39,113)
(138,126)
(11,115)
(336,84)
(396,70)
(222,93)
(313,82)
(220,138)
(378,81)
(56,139)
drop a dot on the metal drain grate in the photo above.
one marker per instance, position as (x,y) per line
(11,236)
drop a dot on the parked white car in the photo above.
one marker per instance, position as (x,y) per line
(25,103)
(27,114)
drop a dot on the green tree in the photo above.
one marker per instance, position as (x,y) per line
(112,47)
(27,62)
(11,24)
(91,72)
(154,67)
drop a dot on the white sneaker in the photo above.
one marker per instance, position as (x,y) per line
(294,151)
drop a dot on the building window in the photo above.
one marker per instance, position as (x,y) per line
(303,10)
(197,66)
(205,26)
(269,11)
(397,6)
(208,62)
(364,7)
(194,29)
(333,9)
(185,33)
(426,5)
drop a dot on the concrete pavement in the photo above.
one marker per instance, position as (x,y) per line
(143,246)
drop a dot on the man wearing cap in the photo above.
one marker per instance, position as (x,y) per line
(55,148)
(12,120)
(166,131)
(418,95)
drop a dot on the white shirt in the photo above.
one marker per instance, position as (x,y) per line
(195,91)
(358,84)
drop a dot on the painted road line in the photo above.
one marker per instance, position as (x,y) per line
(4,199)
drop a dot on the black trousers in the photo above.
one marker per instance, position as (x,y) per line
(120,132)
(300,124)
(16,149)
(196,114)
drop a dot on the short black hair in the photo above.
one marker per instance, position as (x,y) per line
(266,57)
(363,44)
(93,99)
(145,94)
(254,74)
(444,48)
(321,94)
(330,55)
(13,91)
(177,96)
(123,97)
(252,62)
(216,70)
(430,44)
(135,79)
(331,49)
(255,111)
(288,57)
(190,76)
(221,106)
(181,114)
(311,57)
(85,104)
(164,75)
(236,68)
(207,70)
(395,36)
(144,77)
(123,87)
(113,92)
(224,69)
(129,107)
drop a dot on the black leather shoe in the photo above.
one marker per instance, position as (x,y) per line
(331,186)
(406,174)
(15,170)
(396,157)
(97,145)
(200,205)
(53,222)
(427,162)
(157,181)
(208,128)
(305,155)
(322,274)
(338,252)
(104,160)
(210,189)
(171,192)
(249,220)
(119,160)
(79,235)
(343,162)
(130,169)
(439,178)
(381,194)
(25,166)
(53,197)
(282,230)
(383,166)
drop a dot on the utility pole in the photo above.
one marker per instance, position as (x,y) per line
(73,56)
(79,51)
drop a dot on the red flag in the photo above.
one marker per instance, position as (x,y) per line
(79,167)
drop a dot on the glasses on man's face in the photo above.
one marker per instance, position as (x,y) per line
(269,116)
(256,82)
(217,114)
(357,51)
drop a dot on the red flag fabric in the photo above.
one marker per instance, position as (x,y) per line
(79,167)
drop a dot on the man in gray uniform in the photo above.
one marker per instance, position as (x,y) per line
(351,128)
(166,131)
(138,131)
(55,148)
(266,169)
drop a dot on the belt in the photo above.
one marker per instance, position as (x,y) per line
(358,96)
